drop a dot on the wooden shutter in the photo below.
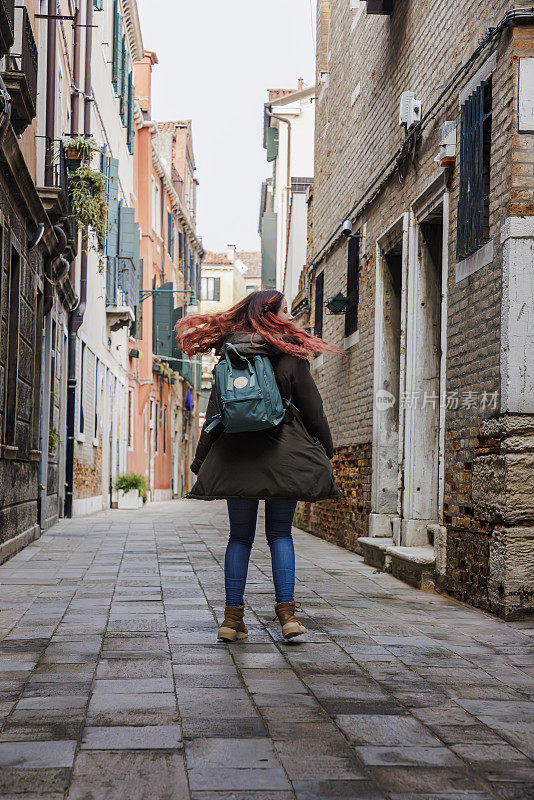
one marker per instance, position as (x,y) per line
(319,305)
(163,311)
(353,286)
(216,288)
(117,41)
(131,101)
(121,88)
(137,325)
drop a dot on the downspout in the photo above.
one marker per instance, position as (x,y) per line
(51,45)
(76,316)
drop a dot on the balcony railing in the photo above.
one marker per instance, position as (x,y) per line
(177,182)
(7,25)
(122,283)
(61,179)
(21,74)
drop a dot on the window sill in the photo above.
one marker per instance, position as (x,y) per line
(80,437)
(9,452)
(35,455)
(350,341)
(477,260)
(96,441)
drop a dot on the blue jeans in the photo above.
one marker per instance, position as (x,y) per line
(278,519)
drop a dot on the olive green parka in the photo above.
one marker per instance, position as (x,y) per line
(289,461)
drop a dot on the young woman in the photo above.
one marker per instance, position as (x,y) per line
(280,465)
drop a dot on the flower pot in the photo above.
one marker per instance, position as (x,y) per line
(129,500)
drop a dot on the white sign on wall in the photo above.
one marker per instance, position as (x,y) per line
(526,95)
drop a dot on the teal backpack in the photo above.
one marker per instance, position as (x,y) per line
(247,395)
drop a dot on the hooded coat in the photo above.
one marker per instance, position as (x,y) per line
(290,461)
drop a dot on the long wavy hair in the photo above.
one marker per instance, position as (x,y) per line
(256,314)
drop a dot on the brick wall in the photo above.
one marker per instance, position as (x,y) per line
(372,59)
(342,521)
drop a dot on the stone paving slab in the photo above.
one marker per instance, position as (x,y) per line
(112,683)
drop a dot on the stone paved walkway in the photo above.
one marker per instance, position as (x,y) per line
(112,685)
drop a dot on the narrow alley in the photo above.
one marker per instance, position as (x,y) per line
(113,685)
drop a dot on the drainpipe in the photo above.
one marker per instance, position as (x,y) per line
(50,90)
(76,316)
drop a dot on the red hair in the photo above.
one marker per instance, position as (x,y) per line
(256,314)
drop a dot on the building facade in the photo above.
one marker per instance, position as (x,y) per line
(288,137)
(164,384)
(421,271)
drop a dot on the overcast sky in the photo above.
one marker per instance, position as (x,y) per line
(216,61)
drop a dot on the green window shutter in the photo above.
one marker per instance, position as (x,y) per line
(131,101)
(217,289)
(162,321)
(177,314)
(112,228)
(117,39)
(121,89)
(272,144)
(137,325)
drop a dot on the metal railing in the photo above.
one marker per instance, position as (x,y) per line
(60,175)
(24,55)
(7,25)
(122,283)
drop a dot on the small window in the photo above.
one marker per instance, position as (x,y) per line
(211,289)
(170,234)
(319,305)
(475,154)
(156,430)
(83,355)
(353,286)
(130,419)
(13,348)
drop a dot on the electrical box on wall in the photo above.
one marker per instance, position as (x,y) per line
(447,144)
(410,110)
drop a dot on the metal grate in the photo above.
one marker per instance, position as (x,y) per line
(475,144)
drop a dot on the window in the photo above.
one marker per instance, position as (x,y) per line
(170,234)
(156,430)
(83,355)
(12,349)
(181,245)
(145,429)
(156,207)
(319,305)
(210,289)
(165,429)
(130,419)
(95,429)
(353,286)
(475,152)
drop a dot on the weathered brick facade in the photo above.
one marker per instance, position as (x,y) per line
(408,211)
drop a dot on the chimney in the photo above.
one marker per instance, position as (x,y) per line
(143,81)
(301,84)
(230,250)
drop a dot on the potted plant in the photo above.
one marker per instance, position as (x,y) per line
(132,490)
(78,149)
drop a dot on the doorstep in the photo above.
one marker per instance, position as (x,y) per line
(374,550)
(413,565)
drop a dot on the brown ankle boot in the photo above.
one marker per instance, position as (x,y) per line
(286,616)
(233,626)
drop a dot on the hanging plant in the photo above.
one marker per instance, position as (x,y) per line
(78,148)
(89,197)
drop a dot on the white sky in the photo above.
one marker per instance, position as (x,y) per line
(217,58)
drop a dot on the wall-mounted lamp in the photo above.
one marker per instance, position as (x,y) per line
(337,304)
